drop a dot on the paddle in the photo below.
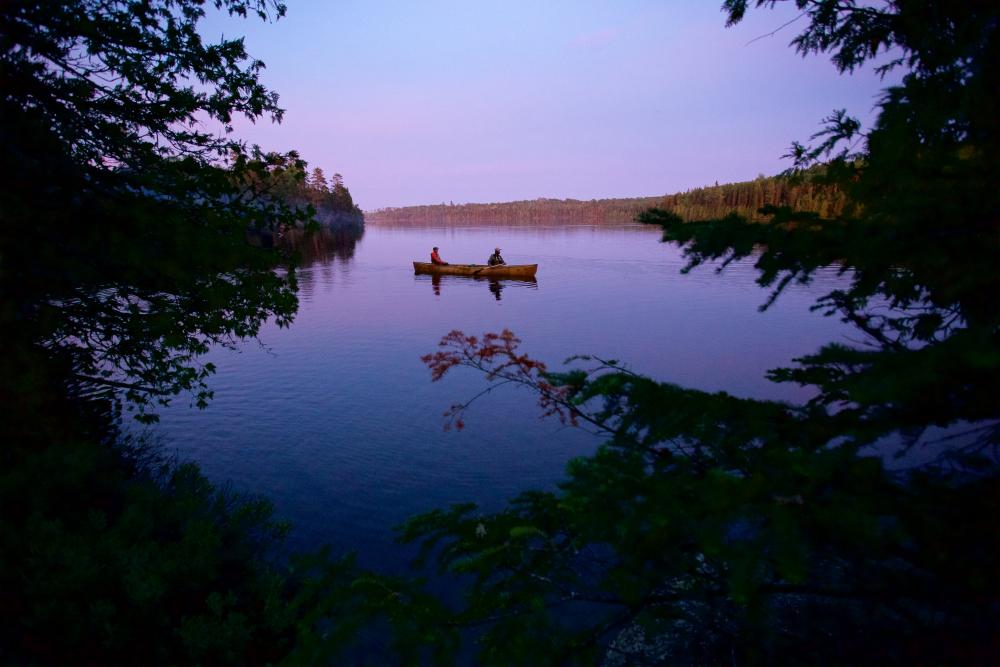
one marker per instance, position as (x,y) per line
(484,268)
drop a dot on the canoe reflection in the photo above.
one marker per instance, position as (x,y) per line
(496,286)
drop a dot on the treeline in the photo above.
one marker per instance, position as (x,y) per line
(808,192)
(293,182)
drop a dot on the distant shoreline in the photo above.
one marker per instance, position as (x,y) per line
(744,198)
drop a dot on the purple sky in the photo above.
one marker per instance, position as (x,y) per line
(436,101)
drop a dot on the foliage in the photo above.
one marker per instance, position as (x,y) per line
(103,563)
(346,613)
(110,552)
(291,182)
(124,216)
(922,250)
(727,526)
(729,530)
(125,224)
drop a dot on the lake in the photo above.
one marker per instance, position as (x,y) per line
(336,418)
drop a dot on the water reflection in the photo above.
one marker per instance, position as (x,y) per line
(323,245)
(353,444)
(495,285)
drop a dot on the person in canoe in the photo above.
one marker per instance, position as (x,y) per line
(495,259)
(436,258)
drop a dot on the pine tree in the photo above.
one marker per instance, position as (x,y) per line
(341,198)
(317,181)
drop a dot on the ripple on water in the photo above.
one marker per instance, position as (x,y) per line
(338,422)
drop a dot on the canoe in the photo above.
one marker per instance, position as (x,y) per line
(483,270)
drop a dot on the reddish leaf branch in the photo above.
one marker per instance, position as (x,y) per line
(496,355)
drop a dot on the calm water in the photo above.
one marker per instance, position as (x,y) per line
(336,418)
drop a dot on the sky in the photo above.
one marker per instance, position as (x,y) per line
(480,101)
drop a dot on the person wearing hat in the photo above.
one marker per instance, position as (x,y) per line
(436,258)
(495,259)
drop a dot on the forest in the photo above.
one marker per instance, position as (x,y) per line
(809,191)
(293,182)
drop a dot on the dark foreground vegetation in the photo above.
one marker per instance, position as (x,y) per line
(808,191)
(707,529)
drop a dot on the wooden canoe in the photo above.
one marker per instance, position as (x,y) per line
(483,270)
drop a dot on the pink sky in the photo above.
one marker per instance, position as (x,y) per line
(432,102)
